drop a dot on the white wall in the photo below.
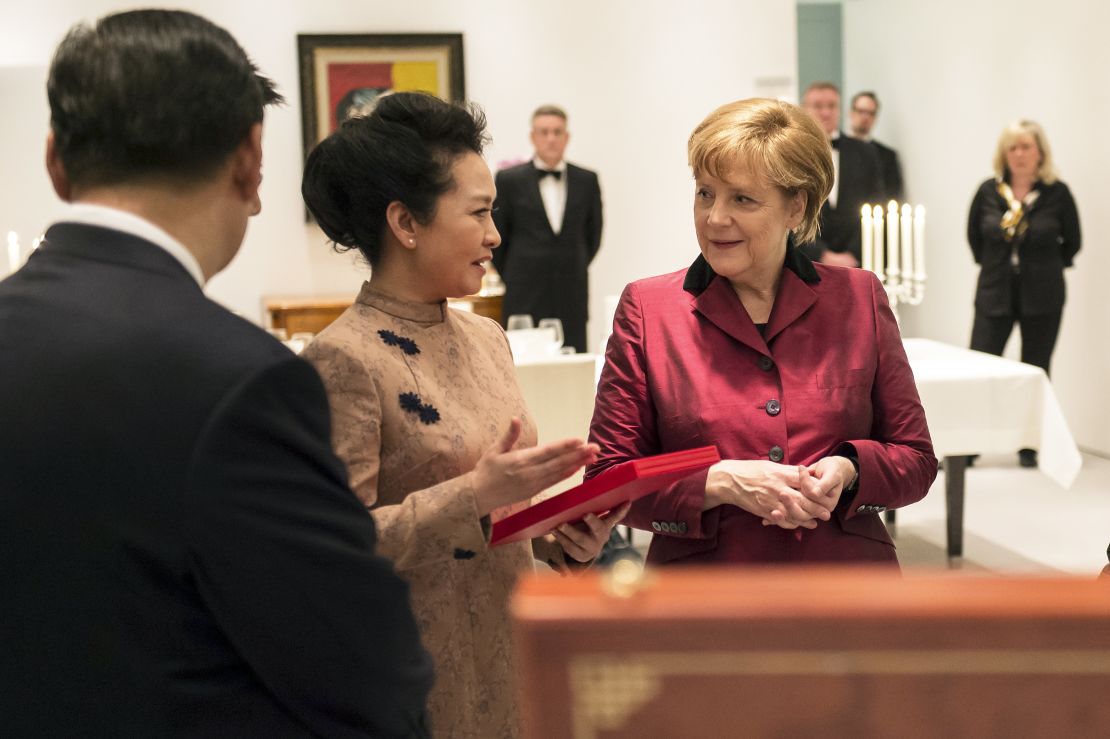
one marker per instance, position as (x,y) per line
(635,77)
(951,75)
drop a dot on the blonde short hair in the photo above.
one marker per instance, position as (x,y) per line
(1046,173)
(778,141)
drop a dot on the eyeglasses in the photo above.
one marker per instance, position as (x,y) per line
(863,111)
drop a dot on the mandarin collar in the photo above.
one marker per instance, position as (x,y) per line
(409,310)
(700,274)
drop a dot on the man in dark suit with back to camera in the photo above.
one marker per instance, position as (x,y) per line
(180,554)
(549,216)
(858,180)
(862,115)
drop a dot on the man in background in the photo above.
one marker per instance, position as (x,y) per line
(858,181)
(180,554)
(549,215)
(862,117)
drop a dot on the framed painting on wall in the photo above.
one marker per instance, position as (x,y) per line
(342,73)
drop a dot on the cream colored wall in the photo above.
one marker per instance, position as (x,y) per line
(951,75)
(635,76)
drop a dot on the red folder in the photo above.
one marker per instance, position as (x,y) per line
(626,481)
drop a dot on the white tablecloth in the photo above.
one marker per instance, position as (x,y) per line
(978,403)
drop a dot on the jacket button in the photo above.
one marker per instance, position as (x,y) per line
(682,527)
(672,527)
(775,455)
(766,363)
(655,526)
(773,407)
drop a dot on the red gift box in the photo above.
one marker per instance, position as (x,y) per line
(626,481)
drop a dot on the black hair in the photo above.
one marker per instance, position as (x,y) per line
(151,94)
(402,151)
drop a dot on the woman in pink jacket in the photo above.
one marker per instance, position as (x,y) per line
(794,370)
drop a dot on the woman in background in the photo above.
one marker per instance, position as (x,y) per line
(1023,229)
(421,395)
(794,370)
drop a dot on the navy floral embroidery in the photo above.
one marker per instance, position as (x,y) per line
(463,553)
(408,346)
(412,403)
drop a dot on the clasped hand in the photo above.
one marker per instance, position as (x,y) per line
(782,495)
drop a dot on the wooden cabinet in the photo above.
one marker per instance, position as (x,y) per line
(816,652)
(313,314)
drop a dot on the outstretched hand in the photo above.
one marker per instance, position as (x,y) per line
(505,475)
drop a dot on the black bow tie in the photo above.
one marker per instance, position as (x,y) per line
(835,143)
(541,173)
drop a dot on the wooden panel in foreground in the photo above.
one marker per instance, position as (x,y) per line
(823,652)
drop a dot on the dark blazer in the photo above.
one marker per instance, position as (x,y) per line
(891,172)
(686,367)
(546,275)
(180,554)
(1047,247)
(860,181)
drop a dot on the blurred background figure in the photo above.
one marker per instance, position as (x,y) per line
(549,216)
(1023,229)
(857,180)
(862,116)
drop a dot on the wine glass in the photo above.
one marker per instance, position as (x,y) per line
(557,328)
(518,322)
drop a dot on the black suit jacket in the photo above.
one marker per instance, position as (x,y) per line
(180,554)
(1048,246)
(891,172)
(546,275)
(860,181)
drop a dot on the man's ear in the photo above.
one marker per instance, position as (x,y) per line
(246,168)
(57,171)
(402,224)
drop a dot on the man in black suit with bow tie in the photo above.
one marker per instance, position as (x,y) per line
(859,180)
(549,216)
(180,554)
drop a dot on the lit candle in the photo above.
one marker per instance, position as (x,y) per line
(877,233)
(13,251)
(919,243)
(867,240)
(892,241)
(907,241)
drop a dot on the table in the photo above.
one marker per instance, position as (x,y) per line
(978,403)
(559,391)
(975,403)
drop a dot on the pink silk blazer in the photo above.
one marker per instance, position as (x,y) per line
(686,366)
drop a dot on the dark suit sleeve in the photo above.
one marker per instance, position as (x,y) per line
(1069,227)
(503,220)
(282,553)
(593,221)
(974,237)
(893,175)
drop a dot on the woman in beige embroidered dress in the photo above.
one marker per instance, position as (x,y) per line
(426,411)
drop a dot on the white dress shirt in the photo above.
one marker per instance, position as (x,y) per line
(836,170)
(118,220)
(554,193)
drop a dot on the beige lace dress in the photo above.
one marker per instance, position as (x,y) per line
(418,392)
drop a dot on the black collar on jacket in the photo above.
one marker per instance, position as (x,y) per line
(700,274)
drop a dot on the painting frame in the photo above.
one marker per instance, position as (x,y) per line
(322,56)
